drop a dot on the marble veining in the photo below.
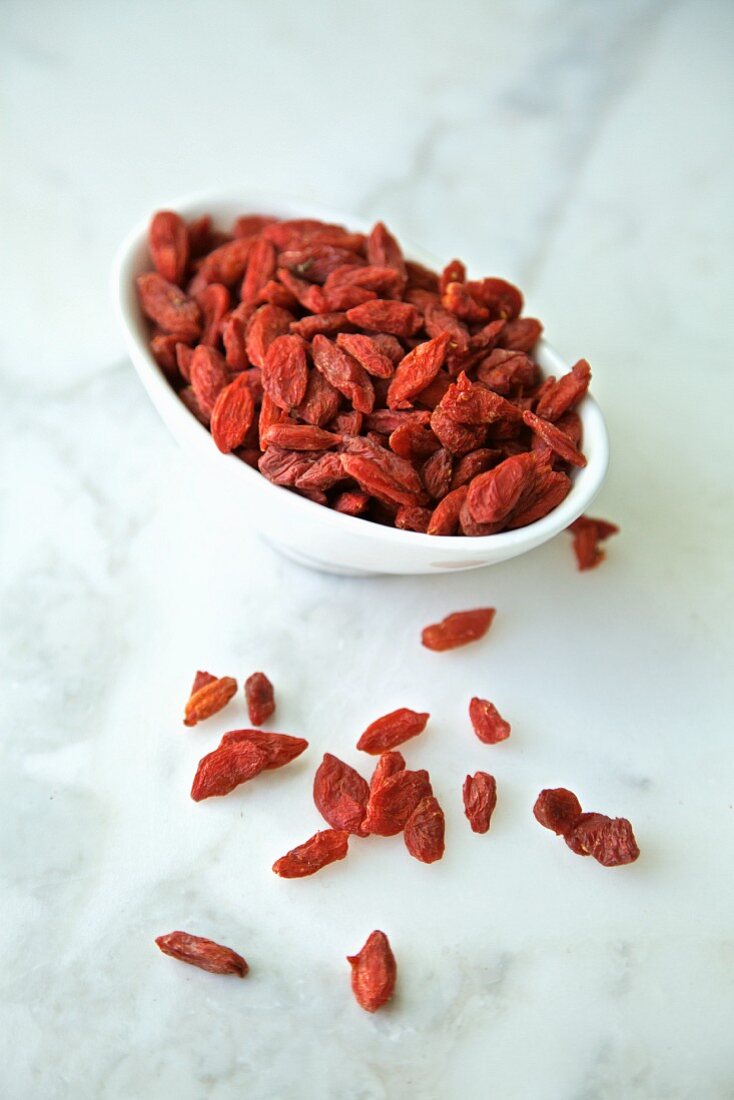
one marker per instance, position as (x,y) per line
(579,148)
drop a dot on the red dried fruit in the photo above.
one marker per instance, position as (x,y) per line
(352,503)
(411,518)
(413,442)
(480,799)
(168,306)
(393,799)
(347,423)
(507,372)
(279,748)
(587,534)
(260,269)
(416,371)
(476,462)
(344,373)
(225,264)
(553,488)
(340,794)
(325,473)
(458,439)
(201,680)
(201,952)
(230,764)
(251,225)
(557,440)
(310,296)
(321,403)
(201,236)
(457,298)
(377,281)
(502,298)
(233,414)
(377,480)
(285,371)
(163,347)
(318,851)
(325,323)
(611,841)
(381,315)
(213,301)
(209,376)
(564,394)
(436,474)
(472,403)
(367,353)
(388,764)
(374,972)
(168,244)
(284,467)
(300,437)
(233,338)
(521,334)
(383,250)
(457,629)
(557,809)
(392,729)
(445,518)
(488,723)
(424,831)
(454,272)
(260,698)
(493,495)
(209,699)
(265,325)
(316,262)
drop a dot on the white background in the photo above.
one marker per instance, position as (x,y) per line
(581,149)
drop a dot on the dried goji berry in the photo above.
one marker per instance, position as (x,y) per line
(284,467)
(480,799)
(454,272)
(393,799)
(493,495)
(318,851)
(352,502)
(279,748)
(378,281)
(459,628)
(388,764)
(201,236)
(502,298)
(521,334)
(344,373)
(265,325)
(611,841)
(300,437)
(367,353)
(229,765)
(201,952)
(226,264)
(558,809)
(416,371)
(285,371)
(316,262)
(251,225)
(374,972)
(340,794)
(458,299)
(383,250)
(412,518)
(488,723)
(167,305)
(424,831)
(325,323)
(168,243)
(209,698)
(565,393)
(476,462)
(213,301)
(436,473)
(233,414)
(163,346)
(557,440)
(209,376)
(445,517)
(392,729)
(587,534)
(260,698)
(382,315)
(260,267)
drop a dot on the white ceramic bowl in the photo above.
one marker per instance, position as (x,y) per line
(308,532)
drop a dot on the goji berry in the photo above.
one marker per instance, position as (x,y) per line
(167,305)
(459,628)
(558,809)
(229,765)
(260,698)
(393,799)
(392,729)
(340,794)
(233,414)
(168,243)
(209,698)
(279,748)
(374,972)
(424,831)
(318,851)
(201,952)
(480,799)
(488,723)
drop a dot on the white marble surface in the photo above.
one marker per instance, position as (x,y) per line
(580,148)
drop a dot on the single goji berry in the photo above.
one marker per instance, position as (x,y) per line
(445,517)
(209,376)
(587,534)
(201,952)
(300,437)
(393,799)
(388,763)
(558,809)
(392,729)
(265,325)
(168,243)
(233,414)
(318,851)
(279,748)
(480,799)
(374,972)
(424,831)
(209,698)
(611,841)
(229,765)
(167,305)
(459,628)
(344,373)
(285,371)
(367,353)
(260,698)
(487,722)
(384,315)
(340,794)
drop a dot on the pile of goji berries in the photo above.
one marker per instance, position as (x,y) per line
(395,800)
(362,380)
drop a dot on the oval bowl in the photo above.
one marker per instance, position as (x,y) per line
(307,532)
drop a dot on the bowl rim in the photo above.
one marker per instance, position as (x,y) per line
(586,481)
